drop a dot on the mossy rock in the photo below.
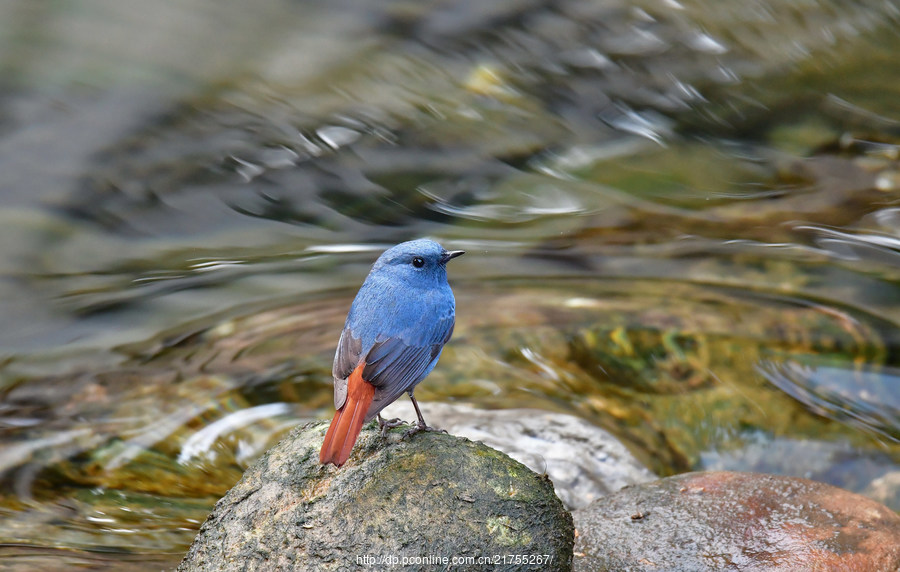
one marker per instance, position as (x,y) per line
(423,502)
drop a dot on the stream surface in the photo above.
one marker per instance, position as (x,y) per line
(682,223)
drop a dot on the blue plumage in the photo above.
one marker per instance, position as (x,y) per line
(398,324)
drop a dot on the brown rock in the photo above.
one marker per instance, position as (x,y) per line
(736,521)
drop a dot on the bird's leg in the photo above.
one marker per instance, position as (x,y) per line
(386,424)
(421,425)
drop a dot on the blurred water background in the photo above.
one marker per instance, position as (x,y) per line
(682,221)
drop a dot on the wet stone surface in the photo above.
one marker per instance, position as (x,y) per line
(736,521)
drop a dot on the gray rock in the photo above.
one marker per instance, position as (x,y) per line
(584,461)
(723,520)
(885,489)
(431,501)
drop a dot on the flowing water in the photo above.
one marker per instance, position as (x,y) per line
(682,222)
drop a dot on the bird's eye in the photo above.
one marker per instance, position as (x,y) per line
(418,262)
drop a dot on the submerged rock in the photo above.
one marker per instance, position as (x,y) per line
(427,502)
(736,521)
(584,461)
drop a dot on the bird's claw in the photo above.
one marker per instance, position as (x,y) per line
(386,424)
(419,427)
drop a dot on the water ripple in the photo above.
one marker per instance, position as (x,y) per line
(861,397)
(879,247)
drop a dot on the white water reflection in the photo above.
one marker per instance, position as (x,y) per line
(201,442)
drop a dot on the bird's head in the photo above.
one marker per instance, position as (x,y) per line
(418,262)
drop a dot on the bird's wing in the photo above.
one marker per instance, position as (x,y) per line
(393,365)
(396,364)
(346,359)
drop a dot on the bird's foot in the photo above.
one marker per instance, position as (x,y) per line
(419,427)
(387,424)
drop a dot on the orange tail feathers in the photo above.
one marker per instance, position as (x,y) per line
(348,420)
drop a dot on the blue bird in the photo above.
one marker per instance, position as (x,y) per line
(398,324)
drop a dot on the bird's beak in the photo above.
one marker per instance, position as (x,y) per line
(451,255)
